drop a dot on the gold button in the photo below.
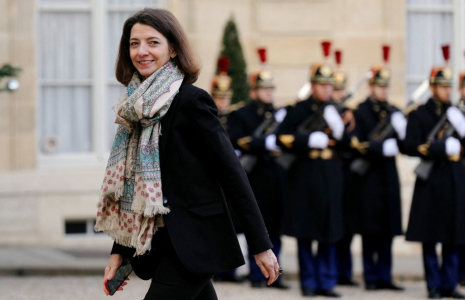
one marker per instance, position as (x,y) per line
(268,115)
(314,107)
(326,154)
(314,154)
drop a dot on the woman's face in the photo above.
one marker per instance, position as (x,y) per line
(149,49)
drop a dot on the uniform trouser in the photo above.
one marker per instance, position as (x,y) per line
(229,273)
(344,257)
(255,272)
(318,271)
(461,250)
(443,277)
(171,280)
(377,258)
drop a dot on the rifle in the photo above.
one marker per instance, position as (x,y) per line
(380,133)
(268,126)
(423,170)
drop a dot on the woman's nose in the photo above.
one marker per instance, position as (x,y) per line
(143,49)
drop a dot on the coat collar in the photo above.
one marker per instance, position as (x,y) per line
(436,107)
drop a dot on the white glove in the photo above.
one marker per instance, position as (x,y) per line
(334,121)
(238,152)
(280,115)
(270,143)
(452,146)
(457,119)
(318,140)
(390,147)
(399,123)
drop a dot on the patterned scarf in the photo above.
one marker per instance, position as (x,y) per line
(130,206)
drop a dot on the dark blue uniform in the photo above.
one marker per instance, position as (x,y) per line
(375,205)
(313,209)
(267,178)
(438,204)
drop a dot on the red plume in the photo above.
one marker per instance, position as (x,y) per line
(262,54)
(326,45)
(446,52)
(386,50)
(338,55)
(223,64)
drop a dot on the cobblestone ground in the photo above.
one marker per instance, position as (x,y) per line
(89,287)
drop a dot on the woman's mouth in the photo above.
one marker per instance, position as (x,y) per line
(145,63)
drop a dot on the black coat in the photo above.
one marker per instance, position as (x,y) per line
(267,178)
(313,207)
(373,200)
(199,168)
(438,205)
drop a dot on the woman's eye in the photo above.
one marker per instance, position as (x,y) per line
(154,42)
(133,44)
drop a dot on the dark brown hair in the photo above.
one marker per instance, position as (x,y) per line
(167,24)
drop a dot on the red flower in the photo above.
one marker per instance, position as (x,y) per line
(140,179)
(108,213)
(125,216)
(151,190)
(158,194)
(129,230)
(122,228)
(157,184)
(135,226)
(149,235)
(126,225)
(109,172)
(153,199)
(143,243)
(139,218)
(104,209)
(129,221)
(99,214)
(144,186)
(114,173)
(110,181)
(113,209)
(138,189)
(105,189)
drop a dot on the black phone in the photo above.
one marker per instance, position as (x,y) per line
(121,274)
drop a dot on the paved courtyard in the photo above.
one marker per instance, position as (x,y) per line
(89,287)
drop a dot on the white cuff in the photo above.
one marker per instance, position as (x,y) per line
(318,140)
(238,152)
(457,119)
(334,121)
(280,115)
(399,123)
(452,146)
(270,143)
(390,148)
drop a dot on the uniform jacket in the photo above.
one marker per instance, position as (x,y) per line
(199,169)
(438,205)
(313,208)
(373,200)
(267,178)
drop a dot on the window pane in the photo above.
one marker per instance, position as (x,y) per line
(115,29)
(429,2)
(65,46)
(115,92)
(149,3)
(75,227)
(426,33)
(66,117)
(64,2)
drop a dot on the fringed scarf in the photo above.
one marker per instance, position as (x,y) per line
(130,207)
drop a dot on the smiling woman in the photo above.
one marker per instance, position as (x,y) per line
(163,197)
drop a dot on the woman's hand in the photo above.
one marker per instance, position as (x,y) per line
(113,265)
(268,264)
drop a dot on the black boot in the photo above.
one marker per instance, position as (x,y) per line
(347,281)
(328,293)
(279,285)
(371,286)
(452,294)
(434,294)
(308,292)
(389,286)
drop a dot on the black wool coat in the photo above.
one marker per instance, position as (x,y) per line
(438,205)
(267,178)
(313,207)
(373,200)
(199,169)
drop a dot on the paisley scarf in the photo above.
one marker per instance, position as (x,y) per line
(130,207)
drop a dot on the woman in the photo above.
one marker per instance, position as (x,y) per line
(170,169)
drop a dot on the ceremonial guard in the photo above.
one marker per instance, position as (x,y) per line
(435,133)
(251,132)
(340,95)
(374,193)
(313,209)
(222,93)
(462,248)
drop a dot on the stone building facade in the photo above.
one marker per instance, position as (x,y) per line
(49,181)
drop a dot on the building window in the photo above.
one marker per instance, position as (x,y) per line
(430,24)
(78,43)
(80,228)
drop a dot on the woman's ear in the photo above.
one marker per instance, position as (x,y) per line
(173,52)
